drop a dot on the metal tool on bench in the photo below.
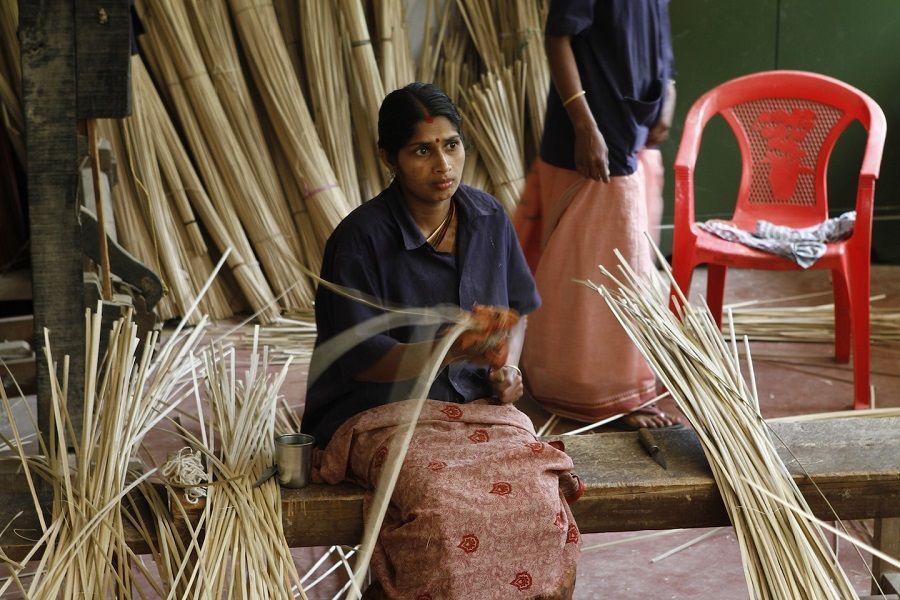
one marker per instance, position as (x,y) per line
(648,442)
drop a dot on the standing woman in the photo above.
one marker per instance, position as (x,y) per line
(611,66)
(478,510)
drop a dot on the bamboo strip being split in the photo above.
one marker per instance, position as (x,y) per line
(784,555)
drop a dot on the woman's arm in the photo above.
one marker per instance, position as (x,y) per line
(591,153)
(507,380)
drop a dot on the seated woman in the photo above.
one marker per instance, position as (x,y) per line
(477,511)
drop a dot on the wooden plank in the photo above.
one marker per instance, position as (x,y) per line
(855,464)
(103,58)
(46,31)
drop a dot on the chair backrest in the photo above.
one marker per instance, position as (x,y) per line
(786,124)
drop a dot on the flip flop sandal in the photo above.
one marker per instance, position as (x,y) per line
(651,410)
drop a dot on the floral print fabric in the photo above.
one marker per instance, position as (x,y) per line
(476,512)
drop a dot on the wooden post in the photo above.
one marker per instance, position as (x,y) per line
(75,65)
(47,34)
(886,539)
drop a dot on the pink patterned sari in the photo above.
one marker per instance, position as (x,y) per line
(477,511)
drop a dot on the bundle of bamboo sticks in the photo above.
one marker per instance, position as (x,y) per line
(329,92)
(126,393)
(784,555)
(496,111)
(11,78)
(243,552)
(228,166)
(809,323)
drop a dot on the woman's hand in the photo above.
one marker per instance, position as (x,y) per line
(591,153)
(660,131)
(507,384)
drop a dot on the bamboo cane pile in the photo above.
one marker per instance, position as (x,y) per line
(11,79)
(784,552)
(810,323)
(126,393)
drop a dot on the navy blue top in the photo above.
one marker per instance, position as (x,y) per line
(378,249)
(623,50)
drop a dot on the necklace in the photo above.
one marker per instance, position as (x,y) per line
(437,236)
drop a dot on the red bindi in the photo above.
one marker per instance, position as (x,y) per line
(437,140)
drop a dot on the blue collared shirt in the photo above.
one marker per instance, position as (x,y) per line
(379,250)
(623,50)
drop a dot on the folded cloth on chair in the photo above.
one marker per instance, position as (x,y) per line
(803,246)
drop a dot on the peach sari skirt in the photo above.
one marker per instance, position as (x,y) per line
(577,360)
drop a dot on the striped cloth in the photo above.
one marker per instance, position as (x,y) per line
(802,246)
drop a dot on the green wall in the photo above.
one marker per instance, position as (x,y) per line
(857,41)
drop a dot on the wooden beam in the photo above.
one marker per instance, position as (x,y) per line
(47,34)
(103,58)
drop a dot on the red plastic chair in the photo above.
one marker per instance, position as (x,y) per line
(786,124)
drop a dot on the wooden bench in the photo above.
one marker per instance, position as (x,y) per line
(854,462)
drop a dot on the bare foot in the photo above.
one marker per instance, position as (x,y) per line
(649,417)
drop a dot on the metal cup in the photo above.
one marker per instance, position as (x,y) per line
(293,459)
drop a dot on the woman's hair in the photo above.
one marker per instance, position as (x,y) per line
(405,108)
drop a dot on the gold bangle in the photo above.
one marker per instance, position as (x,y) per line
(574,97)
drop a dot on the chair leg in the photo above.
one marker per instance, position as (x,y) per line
(859,334)
(842,316)
(715,290)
